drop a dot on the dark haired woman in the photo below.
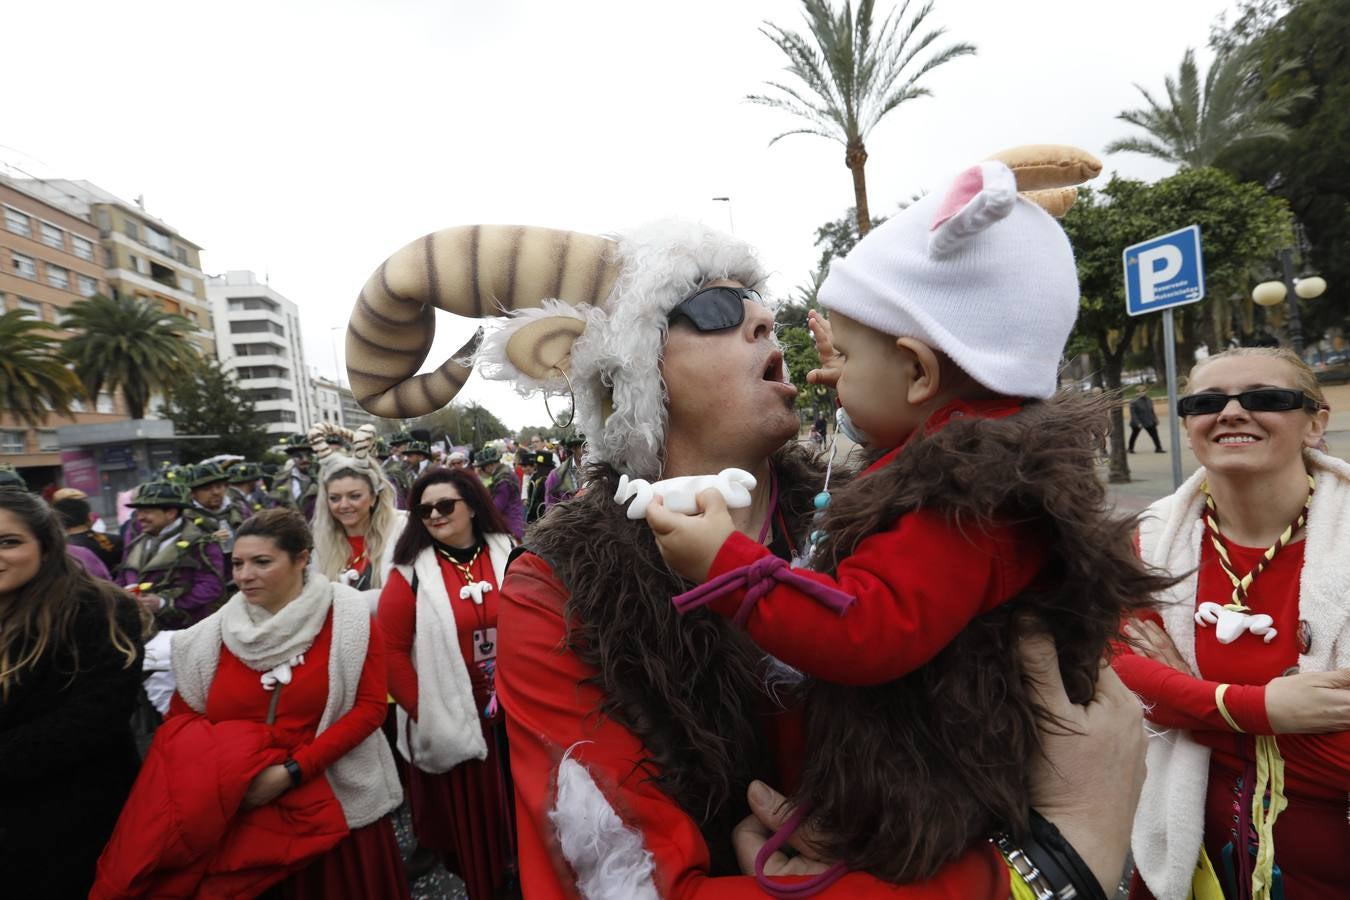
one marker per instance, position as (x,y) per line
(443,594)
(70,672)
(272,732)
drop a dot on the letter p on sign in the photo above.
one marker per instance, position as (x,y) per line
(1157,265)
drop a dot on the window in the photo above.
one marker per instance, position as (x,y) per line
(47,442)
(88,286)
(82,247)
(18,222)
(256,327)
(252,303)
(159,240)
(180,253)
(33,307)
(132,231)
(102,221)
(273,415)
(105,404)
(53,236)
(185,283)
(135,262)
(58,277)
(24,266)
(12,441)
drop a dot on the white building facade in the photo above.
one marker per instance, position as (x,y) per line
(327,399)
(258,338)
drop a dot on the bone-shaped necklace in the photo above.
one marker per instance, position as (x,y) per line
(1235,617)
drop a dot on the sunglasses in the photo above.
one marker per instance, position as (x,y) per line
(715,308)
(443,507)
(1259,400)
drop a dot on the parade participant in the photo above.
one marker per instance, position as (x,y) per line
(209,487)
(1253,772)
(457,459)
(635,732)
(70,672)
(356,525)
(454,551)
(10,477)
(75,518)
(270,769)
(948,323)
(505,488)
(246,489)
(397,469)
(417,455)
(295,484)
(541,465)
(564,482)
(174,565)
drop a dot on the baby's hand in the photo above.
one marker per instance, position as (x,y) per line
(690,543)
(831,363)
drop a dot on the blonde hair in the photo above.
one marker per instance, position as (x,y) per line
(331,550)
(1305,379)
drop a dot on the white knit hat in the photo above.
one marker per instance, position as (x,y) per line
(978,272)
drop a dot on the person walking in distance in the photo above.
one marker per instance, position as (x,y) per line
(1143,418)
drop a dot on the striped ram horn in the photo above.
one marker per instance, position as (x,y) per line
(318,438)
(1048,174)
(473,271)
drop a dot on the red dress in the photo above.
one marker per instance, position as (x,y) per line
(366,863)
(464,814)
(551,698)
(1312,836)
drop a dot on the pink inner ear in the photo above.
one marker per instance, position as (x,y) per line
(963,190)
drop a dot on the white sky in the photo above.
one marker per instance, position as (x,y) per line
(309,140)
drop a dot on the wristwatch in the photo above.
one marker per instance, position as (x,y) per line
(292,769)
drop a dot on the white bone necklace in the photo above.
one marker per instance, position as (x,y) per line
(1234,618)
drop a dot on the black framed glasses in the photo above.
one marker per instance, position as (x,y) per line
(715,308)
(443,507)
(1258,400)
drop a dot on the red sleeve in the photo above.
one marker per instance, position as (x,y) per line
(549,713)
(397,616)
(914,588)
(359,722)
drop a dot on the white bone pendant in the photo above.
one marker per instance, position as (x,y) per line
(1231,624)
(679,494)
(474,591)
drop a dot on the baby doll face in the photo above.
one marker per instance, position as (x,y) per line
(874,382)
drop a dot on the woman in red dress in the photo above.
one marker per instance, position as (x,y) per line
(1255,770)
(443,594)
(291,788)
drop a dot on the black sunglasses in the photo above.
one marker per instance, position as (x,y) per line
(444,507)
(715,308)
(1259,400)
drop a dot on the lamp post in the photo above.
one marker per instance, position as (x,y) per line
(730,219)
(1271,293)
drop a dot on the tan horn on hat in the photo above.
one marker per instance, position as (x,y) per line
(473,271)
(1048,174)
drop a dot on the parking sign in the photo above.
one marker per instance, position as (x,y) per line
(1164,272)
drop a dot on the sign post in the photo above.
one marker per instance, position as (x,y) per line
(1162,273)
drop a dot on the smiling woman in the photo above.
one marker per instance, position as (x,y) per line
(1261,527)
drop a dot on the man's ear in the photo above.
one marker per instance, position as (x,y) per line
(925,372)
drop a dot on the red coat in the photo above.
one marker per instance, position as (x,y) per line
(550,710)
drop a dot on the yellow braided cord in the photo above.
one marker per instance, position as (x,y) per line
(1241,585)
(1223,710)
(1269,773)
(1020,889)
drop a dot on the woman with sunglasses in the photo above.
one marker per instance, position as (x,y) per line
(442,597)
(1256,769)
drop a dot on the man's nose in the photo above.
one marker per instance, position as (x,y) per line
(758,320)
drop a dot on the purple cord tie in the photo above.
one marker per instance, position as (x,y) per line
(808,888)
(757,579)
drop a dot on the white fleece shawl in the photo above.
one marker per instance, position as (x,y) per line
(1169,825)
(449,727)
(364,781)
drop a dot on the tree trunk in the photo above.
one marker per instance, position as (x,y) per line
(1112,362)
(855,157)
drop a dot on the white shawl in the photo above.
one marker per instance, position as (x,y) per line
(364,781)
(1169,825)
(449,727)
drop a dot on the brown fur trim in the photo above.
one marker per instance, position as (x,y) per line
(691,687)
(906,776)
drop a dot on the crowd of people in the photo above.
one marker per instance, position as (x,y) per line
(923,675)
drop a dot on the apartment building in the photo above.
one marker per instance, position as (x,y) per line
(258,338)
(327,396)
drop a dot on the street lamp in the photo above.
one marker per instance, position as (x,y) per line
(730,219)
(1272,293)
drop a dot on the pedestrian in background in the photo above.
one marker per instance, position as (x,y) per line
(1143,418)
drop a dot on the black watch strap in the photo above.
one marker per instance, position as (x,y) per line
(293,769)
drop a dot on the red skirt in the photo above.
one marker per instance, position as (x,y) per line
(363,865)
(467,815)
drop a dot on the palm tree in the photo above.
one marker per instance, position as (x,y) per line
(1196,125)
(33,381)
(127,344)
(853,75)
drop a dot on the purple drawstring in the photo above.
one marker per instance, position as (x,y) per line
(808,888)
(757,579)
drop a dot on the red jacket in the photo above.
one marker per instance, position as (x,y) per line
(551,711)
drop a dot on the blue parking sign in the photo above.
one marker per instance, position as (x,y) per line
(1164,272)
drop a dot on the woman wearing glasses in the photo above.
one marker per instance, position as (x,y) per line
(443,596)
(1256,769)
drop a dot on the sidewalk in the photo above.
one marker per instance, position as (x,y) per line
(1151,473)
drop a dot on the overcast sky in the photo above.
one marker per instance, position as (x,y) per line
(309,140)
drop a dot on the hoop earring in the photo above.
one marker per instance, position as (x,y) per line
(572,398)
